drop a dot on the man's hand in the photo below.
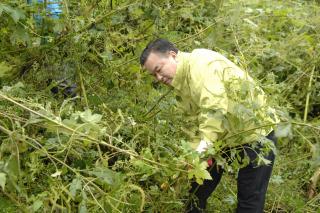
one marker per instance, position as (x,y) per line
(203,146)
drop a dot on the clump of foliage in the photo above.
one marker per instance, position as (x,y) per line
(119,145)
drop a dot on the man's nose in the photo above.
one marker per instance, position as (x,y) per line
(158,77)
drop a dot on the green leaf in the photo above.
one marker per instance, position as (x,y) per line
(5,69)
(58,27)
(104,174)
(2,180)
(277,179)
(199,171)
(75,185)
(83,204)
(106,56)
(33,119)
(230,199)
(136,12)
(17,14)
(263,161)
(56,174)
(4,7)
(12,166)
(36,205)
(1,8)
(19,35)
(88,117)
(283,130)
(83,207)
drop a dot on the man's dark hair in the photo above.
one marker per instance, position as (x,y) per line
(159,45)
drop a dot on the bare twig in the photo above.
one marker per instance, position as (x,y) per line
(157,102)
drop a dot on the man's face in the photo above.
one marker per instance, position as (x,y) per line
(162,66)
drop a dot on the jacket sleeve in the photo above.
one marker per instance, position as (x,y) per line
(212,102)
(213,105)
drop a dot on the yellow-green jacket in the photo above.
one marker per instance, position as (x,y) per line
(220,99)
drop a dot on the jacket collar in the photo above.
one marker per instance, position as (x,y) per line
(182,70)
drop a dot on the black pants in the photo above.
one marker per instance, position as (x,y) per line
(252,184)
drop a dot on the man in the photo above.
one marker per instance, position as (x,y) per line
(229,107)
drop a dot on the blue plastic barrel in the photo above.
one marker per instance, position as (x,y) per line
(53,8)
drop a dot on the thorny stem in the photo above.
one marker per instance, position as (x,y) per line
(269,125)
(130,153)
(91,24)
(18,204)
(179,41)
(67,36)
(41,148)
(95,199)
(196,34)
(50,156)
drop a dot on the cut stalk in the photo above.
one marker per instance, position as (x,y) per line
(83,90)
(308,96)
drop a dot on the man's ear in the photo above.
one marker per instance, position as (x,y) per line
(172,53)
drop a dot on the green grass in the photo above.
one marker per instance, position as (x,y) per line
(6,206)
